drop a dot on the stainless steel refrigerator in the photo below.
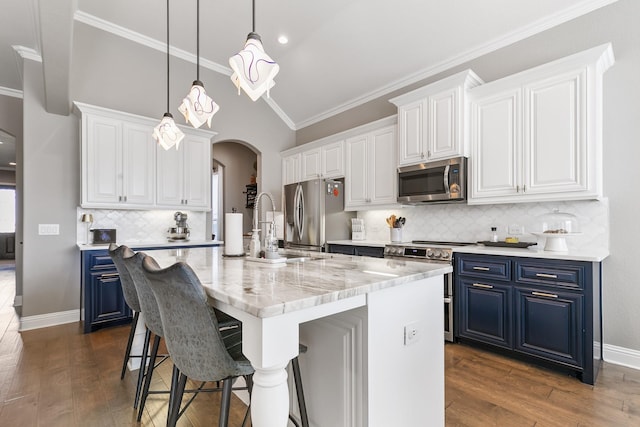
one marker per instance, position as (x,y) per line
(314,214)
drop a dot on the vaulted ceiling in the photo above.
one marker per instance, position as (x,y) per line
(340,54)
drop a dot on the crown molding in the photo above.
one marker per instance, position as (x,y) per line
(283,116)
(485,48)
(27,53)
(7,91)
(152,43)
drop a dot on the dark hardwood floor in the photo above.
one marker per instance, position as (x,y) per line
(59,376)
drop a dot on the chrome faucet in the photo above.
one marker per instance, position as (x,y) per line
(271,248)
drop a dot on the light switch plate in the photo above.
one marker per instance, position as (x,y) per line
(515,230)
(48,229)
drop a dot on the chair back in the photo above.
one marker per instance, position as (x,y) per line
(147,299)
(191,332)
(117,254)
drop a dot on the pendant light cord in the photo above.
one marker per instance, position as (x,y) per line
(253,28)
(198,40)
(167,56)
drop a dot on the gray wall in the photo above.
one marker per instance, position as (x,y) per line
(238,167)
(50,264)
(105,73)
(616,23)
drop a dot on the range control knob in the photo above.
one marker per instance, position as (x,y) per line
(437,254)
(429,253)
(445,255)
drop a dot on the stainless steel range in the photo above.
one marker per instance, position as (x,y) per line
(431,252)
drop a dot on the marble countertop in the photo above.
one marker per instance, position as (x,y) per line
(266,290)
(154,244)
(372,243)
(587,254)
(591,255)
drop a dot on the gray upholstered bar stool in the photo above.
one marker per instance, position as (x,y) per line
(196,344)
(117,254)
(133,264)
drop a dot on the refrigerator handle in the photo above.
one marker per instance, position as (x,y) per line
(300,204)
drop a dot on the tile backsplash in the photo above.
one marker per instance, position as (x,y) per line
(471,223)
(140,226)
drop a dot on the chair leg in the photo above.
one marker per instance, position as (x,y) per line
(174,382)
(177,400)
(225,401)
(143,367)
(297,377)
(127,352)
(149,374)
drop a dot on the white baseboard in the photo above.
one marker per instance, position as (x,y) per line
(621,356)
(49,319)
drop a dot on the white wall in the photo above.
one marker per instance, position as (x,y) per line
(616,23)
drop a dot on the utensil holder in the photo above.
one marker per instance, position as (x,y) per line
(396,234)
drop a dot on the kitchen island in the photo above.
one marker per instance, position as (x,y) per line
(400,312)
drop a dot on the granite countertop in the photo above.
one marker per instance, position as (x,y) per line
(266,290)
(153,244)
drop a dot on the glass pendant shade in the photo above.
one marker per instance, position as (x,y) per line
(253,69)
(167,134)
(198,108)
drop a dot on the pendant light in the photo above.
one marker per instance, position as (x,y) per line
(198,108)
(253,69)
(167,134)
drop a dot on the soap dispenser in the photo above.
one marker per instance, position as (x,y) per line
(254,244)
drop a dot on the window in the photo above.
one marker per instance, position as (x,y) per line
(7,210)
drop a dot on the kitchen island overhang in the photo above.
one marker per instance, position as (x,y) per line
(394,298)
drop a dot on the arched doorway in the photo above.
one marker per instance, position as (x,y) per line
(235,165)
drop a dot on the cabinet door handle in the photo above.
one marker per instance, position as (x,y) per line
(481,268)
(524,188)
(119,198)
(108,275)
(517,188)
(547,276)
(480,285)
(544,294)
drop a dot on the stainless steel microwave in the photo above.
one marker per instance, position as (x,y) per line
(442,181)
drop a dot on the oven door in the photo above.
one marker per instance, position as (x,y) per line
(448,307)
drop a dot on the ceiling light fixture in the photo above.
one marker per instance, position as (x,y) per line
(198,108)
(167,133)
(253,69)
(283,39)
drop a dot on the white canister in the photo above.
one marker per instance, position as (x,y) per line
(396,234)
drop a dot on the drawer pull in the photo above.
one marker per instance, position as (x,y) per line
(108,275)
(481,268)
(547,276)
(544,294)
(480,285)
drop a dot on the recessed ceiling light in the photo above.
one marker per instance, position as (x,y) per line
(283,39)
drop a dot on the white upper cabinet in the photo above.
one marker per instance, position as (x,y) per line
(117,163)
(291,168)
(371,175)
(537,135)
(184,175)
(432,120)
(318,159)
(122,167)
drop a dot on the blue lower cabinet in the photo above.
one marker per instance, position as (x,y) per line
(103,300)
(549,325)
(544,310)
(485,312)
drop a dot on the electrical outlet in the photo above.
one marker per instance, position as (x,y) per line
(411,333)
(515,230)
